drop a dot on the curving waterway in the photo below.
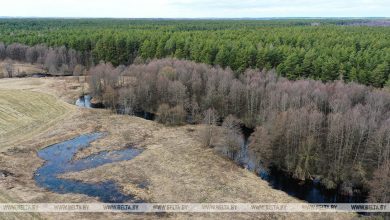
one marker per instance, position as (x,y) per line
(59,159)
(309,190)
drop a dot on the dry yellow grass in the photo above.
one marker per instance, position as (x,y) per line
(64,88)
(25,113)
(174,164)
(22,68)
(4,198)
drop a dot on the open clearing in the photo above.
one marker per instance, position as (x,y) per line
(21,69)
(25,113)
(174,167)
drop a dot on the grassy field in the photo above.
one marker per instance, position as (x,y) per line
(175,167)
(4,198)
(20,69)
(25,113)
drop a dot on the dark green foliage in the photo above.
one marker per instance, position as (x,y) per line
(334,131)
(296,49)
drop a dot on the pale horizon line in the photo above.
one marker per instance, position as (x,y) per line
(204,18)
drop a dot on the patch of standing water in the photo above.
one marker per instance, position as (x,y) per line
(310,191)
(84,101)
(59,160)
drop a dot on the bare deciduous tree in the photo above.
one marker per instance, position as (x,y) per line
(163,113)
(379,185)
(233,139)
(210,121)
(8,69)
(305,127)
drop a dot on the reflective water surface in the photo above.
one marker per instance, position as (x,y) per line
(59,160)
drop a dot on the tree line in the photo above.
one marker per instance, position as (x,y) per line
(57,60)
(337,132)
(295,48)
(308,128)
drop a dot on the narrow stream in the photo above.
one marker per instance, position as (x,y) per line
(84,101)
(59,160)
(310,191)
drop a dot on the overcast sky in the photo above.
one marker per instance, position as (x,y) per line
(195,8)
